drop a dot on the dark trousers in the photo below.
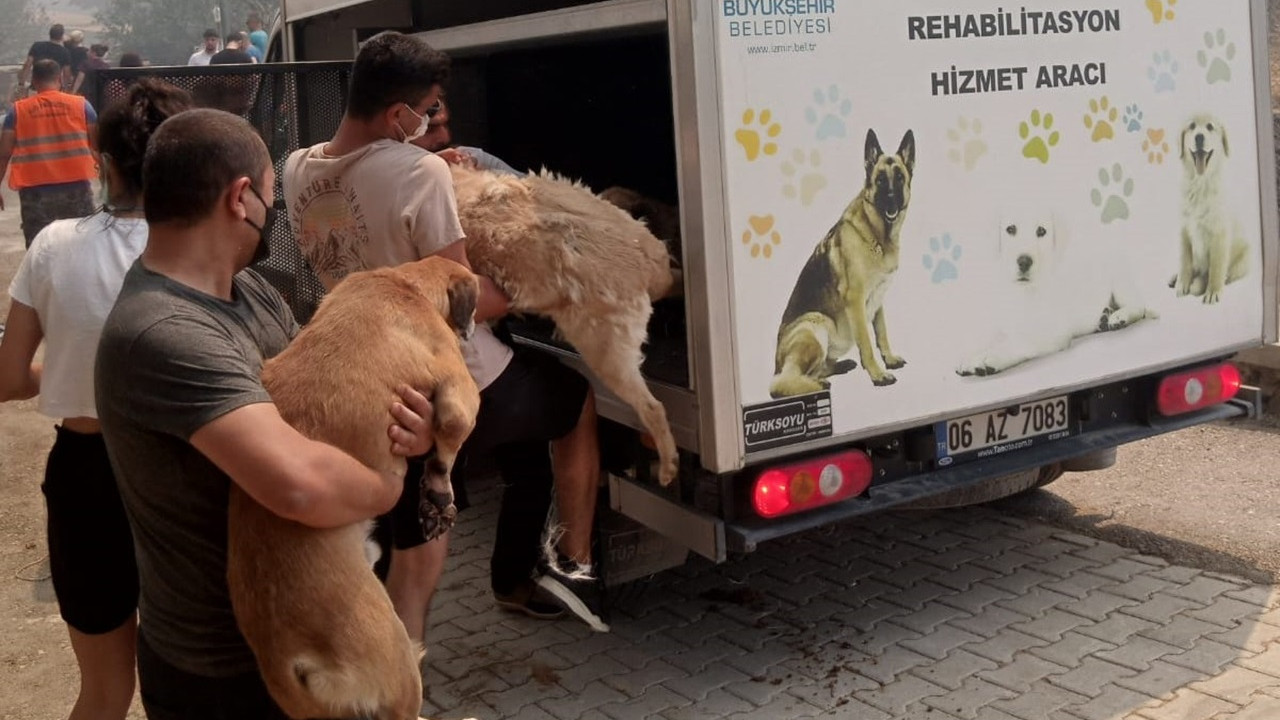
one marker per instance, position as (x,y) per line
(172,694)
(42,205)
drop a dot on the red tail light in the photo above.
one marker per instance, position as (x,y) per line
(1196,389)
(812,483)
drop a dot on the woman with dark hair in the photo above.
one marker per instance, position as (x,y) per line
(64,288)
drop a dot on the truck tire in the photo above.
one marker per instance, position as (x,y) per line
(994,489)
(1096,460)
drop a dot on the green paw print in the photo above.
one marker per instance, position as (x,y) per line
(1216,57)
(1039,135)
(751,138)
(1112,194)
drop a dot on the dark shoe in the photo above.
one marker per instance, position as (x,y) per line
(571,595)
(528,598)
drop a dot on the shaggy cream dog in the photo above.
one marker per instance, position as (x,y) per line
(327,641)
(558,250)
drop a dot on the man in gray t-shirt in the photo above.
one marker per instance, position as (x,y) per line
(189,358)
(184,414)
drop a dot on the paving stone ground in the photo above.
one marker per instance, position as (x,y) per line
(957,614)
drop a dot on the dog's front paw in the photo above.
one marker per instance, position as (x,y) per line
(1181,287)
(436,512)
(1211,297)
(981,367)
(893,362)
(883,379)
(1113,323)
(1111,320)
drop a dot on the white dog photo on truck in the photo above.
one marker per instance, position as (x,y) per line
(1213,251)
(1059,295)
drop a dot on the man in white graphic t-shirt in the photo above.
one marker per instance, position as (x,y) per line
(369,198)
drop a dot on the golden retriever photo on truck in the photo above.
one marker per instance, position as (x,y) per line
(1214,253)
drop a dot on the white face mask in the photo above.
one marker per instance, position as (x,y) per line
(422,126)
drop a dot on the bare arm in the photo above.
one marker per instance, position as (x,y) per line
(19,378)
(93,144)
(75,88)
(492,303)
(304,480)
(25,73)
(6,152)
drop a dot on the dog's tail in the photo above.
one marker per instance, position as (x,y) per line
(791,382)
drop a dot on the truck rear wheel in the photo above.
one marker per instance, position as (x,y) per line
(994,489)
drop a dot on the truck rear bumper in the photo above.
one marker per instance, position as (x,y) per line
(714,538)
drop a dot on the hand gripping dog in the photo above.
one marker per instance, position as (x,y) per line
(323,631)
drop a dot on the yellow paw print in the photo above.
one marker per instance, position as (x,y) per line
(1155,146)
(750,138)
(1101,119)
(1161,10)
(761,235)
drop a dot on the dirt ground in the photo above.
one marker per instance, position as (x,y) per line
(1204,497)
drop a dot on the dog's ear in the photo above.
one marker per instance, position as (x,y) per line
(907,151)
(1182,142)
(463,292)
(872,153)
(1226,152)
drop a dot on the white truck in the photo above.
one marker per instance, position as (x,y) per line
(1063,216)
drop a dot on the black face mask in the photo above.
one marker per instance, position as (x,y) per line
(263,250)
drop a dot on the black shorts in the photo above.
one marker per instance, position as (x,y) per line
(95,574)
(537,398)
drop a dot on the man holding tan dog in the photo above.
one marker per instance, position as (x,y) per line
(184,414)
(369,198)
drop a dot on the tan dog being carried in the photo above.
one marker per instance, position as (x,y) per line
(840,293)
(326,638)
(560,251)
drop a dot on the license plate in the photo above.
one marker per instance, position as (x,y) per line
(1000,431)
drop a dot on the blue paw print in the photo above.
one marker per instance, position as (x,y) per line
(1132,118)
(942,258)
(828,113)
(1163,72)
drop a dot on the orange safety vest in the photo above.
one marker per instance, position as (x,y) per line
(52,141)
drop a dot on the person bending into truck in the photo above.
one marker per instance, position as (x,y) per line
(184,414)
(368,199)
(439,139)
(61,294)
(47,145)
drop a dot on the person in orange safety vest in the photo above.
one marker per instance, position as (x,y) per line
(47,145)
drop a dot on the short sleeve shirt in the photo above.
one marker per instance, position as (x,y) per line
(385,204)
(172,359)
(49,50)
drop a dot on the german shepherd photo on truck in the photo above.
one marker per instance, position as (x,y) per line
(839,296)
